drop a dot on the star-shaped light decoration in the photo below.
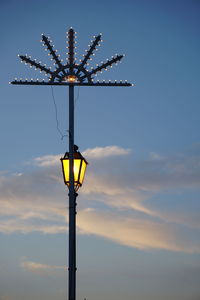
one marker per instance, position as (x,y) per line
(71,73)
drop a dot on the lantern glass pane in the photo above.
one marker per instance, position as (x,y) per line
(77,163)
(66,169)
(82,173)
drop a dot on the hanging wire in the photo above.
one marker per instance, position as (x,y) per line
(56,112)
(56,115)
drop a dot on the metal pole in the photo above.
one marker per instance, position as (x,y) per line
(72,203)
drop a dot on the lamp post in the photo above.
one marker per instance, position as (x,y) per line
(71,75)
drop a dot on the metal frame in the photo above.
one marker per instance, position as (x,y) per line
(84,77)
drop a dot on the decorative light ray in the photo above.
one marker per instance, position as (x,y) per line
(71,50)
(105,65)
(51,51)
(91,50)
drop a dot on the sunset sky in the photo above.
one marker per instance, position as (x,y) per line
(138,221)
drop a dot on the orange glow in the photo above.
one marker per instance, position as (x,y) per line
(71,78)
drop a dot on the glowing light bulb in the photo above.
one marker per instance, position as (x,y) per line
(70,78)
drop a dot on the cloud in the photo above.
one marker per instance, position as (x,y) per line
(118,188)
(177,171)
(40,269)
(48,160)
(16,224)
(135,232)
(155,156)
(102,152)
(96,153)
(5,298)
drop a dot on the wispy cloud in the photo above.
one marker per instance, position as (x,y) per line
(136,232)
(102,152)
(47,160)
(90,153)
(41,269)
(16,224)
(5,298)
(122,192)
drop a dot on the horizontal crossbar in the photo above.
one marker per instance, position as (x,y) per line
(72,84)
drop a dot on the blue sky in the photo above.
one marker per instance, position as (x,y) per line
(138,216)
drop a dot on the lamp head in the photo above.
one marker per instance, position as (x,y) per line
(79,167)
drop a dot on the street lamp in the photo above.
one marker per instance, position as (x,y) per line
(72,74)
(80,165)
